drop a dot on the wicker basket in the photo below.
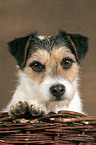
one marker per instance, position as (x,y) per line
(57,129)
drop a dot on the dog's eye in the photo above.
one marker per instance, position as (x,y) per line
(66,63)
(37,66)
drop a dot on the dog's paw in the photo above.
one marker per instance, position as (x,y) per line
(19,109)
(34,111)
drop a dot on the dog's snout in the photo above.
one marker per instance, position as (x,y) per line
(57,90)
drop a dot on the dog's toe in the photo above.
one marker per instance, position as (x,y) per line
(36,111)
(19,109)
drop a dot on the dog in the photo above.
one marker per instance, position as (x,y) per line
(48,72)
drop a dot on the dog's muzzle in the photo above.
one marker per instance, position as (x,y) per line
(57,90)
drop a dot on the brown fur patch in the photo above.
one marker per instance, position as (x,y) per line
(52,62)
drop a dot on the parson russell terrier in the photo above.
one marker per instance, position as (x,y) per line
(48,71)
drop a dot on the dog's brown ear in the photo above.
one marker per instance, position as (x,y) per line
(80,45)
(19,48)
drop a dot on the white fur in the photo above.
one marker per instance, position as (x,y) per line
(43,37)
(40,96)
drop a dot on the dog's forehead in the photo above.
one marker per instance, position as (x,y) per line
(50,47)
(51,44)
(46,43)
(45,57)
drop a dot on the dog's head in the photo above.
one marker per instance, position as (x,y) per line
(51,63)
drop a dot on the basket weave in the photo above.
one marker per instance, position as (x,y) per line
(57,129)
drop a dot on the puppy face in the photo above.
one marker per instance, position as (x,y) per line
(54,72)
(51,64)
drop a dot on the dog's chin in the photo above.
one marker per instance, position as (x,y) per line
(60,101)
(57,105)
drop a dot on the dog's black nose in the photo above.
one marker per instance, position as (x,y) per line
(57,90)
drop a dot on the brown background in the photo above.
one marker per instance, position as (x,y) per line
(20,17)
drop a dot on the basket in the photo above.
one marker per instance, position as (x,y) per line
(62,128)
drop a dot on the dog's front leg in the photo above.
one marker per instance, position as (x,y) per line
(37,108)
(22,108)
(22,105)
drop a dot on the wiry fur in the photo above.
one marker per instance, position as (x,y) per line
(40,97)
(34,88)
